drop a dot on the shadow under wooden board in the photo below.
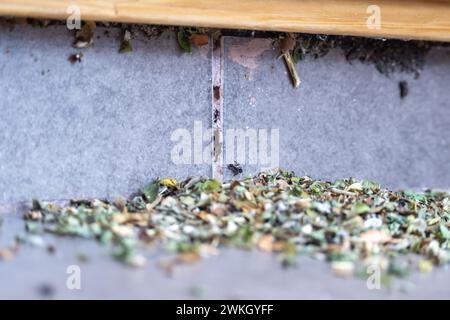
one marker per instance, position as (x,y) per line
(406,19)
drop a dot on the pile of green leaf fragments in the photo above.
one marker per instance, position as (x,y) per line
(350,223)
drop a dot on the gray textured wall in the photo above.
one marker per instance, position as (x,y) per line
(102,127)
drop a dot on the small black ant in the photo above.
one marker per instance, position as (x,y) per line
(235,168)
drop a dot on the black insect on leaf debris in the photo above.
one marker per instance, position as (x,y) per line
(235,168)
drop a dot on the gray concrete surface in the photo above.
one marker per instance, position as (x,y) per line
(344,120)
(99,128)
(233,274)
(102,128)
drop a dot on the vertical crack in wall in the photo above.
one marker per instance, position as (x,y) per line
(217,62)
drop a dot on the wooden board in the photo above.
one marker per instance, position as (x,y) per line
(408,19)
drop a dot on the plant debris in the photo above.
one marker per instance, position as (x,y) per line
(198,37)
(287,45)
(149,31)
(388,56)
(351,223)
(125,45)
(9,252)
(85,36)
(183,40)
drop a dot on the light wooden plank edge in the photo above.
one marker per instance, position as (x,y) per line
(406,19)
